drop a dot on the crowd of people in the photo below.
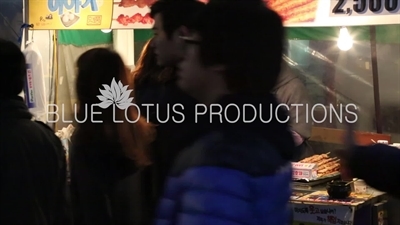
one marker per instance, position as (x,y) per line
(169,173)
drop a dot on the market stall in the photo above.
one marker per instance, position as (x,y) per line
(320,197)
(310,202)
(313,201)
(346,23)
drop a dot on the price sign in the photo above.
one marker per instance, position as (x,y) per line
(304,170)
(323,214)
(364,7)
(304,165)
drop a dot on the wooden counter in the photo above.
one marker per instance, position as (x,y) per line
(335,136)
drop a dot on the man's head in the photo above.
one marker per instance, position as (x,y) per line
(12,69)
(235,46)
(170,18)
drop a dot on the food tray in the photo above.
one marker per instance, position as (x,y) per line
(329,176)
(299,193)
(309,185)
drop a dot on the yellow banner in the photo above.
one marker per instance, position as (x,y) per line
(70,14)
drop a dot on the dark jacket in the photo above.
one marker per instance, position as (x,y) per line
(32,169)
(238,173)
(379,166)
(172,137)
(98,170)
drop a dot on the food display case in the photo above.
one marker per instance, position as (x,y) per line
(315,170)
(313,205)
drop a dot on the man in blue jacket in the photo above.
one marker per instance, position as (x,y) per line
(239,172)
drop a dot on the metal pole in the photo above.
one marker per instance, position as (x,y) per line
(25,15)
(55,66)
(375,77)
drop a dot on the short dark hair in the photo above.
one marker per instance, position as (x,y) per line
(175,13)
(12,69)
(246,37)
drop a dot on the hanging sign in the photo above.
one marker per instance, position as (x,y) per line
(323,13)
(351,8)
(135,14)
(70,14)
(297,11)
(90,14)
(322,214)
(132,14)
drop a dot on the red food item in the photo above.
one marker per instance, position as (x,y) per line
(147,19)
(138,3)
(122,19)
(136,18)
(149,2)
(127,3)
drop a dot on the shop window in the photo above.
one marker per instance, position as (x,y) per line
(389,87)
(335,78)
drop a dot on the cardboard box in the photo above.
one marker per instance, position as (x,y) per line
(307,171)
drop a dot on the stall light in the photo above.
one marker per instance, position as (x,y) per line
(345,41)
(106,30)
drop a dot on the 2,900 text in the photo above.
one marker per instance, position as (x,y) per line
(363,6)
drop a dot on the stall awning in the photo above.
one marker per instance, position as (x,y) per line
(82,38)
(386,34)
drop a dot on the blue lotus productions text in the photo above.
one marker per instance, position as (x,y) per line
(316,113)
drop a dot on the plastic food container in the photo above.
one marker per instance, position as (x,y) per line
(397,145)
(360,187)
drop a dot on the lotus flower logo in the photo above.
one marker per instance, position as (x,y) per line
(115,94)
